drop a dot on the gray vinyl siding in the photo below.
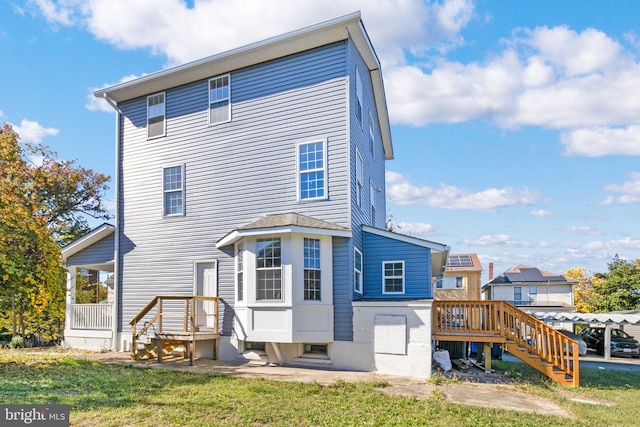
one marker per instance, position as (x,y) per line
(342,289)
(373,165)
(100,252)
(235,172)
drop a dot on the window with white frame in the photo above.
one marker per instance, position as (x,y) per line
(372,199)
(357,270)
(359,103)
(371,136)
(533,293)
(240,271)
(517,293)
(219,100)
(268,269)
(359,178)
(173,188)
(312,270)
(155,115)
(393,277)
(312,170)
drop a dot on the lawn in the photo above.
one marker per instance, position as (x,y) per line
(122,395)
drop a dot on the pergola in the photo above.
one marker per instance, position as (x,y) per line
(606,319)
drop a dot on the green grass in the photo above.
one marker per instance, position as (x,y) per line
(120,395)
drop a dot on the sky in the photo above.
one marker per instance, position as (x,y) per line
(516,125)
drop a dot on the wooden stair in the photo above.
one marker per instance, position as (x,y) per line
(166,339)
(524,336)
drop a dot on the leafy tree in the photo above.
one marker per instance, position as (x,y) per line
(618,289)
(41,206)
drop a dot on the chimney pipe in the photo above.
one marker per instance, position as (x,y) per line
(490,271)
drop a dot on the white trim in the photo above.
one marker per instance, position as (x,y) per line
(324,169)
(87,240)
(236,271)
(222,76)
(183,170)
(407,239)
(164,115)
(195,273)
(384,277)
(236,235)
(359,179)
(361,284)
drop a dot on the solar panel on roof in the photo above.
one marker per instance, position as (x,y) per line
(459,261)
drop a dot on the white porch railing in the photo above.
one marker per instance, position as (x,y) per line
(91,316)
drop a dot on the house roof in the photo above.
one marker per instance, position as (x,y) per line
(528,275)
(463,262)
(93,236)
(284,223)
(338,29)
(439,251)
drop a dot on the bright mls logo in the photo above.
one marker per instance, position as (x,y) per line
(34,415)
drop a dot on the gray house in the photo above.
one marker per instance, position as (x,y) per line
(251,187)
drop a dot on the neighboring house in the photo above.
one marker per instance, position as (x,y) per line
(461,279)
(256,176)
(532,290)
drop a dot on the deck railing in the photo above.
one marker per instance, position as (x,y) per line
(499,321)
(191,315)
(97,317)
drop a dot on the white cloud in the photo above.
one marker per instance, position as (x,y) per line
(583,229)
(32,132)
(614,246)
(400,191)
(418,229)
(602,141)
(629,191)
(541,212)
(495,240)
(1,114)
(99,104)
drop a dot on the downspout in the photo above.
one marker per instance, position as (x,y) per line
(115,342)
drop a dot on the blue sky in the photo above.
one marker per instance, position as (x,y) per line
(516,125)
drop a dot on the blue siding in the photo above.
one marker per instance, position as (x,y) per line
(235,172)
(100,252)
(417,264)
(342,288)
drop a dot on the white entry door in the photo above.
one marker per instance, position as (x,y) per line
(206,278)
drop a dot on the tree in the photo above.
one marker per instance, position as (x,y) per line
(585,291)
(40,206)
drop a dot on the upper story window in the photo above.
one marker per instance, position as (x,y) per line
(155,115)
(393,277)
(219,100)
(371,136)
(173,188)
(268,269)
(372,199)
(240,271)
(449,283)
(359,99)
(312,170)
(357,270)
(312,270)
(359,178)
(517,294)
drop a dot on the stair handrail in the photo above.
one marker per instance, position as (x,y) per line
(499,318)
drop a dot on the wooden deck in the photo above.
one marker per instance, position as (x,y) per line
(526,337)
(161,336)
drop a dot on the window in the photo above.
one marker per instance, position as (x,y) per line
(240,271)
(459,282)
(517,293)
(219,100)
(371,138)
(173,185)
(268,269)
(357,270)
(359,104)
(372,199)
(393,276)
(312,270)
(533,293)
(255,346)
(359,178)
(439,283)
(315,349)
(155,115)
(312,170)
